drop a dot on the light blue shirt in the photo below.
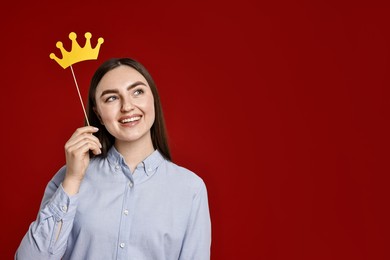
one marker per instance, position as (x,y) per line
(160,211)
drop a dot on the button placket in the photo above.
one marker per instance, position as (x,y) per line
(127,209)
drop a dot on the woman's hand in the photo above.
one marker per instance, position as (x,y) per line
(77,157)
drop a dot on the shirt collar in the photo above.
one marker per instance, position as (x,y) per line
(149,164)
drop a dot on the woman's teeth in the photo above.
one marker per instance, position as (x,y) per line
(131,119)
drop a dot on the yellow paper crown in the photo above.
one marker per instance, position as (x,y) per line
(77,53)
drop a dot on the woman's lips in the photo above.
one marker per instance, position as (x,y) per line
(129,119)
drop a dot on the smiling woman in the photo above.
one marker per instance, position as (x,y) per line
(124,104)
(120,196)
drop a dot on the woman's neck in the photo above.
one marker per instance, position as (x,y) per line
(134,152)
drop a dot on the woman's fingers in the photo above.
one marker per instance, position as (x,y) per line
(83,134)
(77,156)
(81,147)
(85,129)
(78,141)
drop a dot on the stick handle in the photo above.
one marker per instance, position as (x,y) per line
(78,91)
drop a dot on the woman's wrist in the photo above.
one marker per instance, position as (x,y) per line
(71,185)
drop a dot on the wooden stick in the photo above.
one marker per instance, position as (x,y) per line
(78,91)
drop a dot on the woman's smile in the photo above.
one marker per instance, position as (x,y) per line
(130,120)
(125,105)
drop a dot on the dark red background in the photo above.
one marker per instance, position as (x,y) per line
(282,108)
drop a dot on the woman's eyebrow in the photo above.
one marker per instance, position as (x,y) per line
(109,91)
(116,91)
(137,83)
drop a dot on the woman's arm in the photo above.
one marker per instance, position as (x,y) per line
(47,236)
(197,241)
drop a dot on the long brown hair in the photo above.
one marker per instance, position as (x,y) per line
(158,130)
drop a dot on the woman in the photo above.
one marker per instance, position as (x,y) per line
(119,196)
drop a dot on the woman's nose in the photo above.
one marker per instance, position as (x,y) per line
(127,105)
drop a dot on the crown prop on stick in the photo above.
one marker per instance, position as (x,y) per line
(77,54)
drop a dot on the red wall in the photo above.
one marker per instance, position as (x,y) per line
(282,108)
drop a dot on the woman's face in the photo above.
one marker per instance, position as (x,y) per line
(125,105)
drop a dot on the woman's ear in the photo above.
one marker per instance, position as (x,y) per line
(97,114)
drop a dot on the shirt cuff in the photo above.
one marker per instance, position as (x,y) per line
(62,205)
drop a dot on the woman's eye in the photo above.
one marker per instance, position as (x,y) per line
(138,92)
(111,98)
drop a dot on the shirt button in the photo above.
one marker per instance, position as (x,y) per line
(150,169)
(122,245)
(126,212)
(64,208)
(131,185)
(117,167)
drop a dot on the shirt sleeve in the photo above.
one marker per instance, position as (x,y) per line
(47,236)
(197,241)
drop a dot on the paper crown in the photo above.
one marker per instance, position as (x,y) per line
(77,53)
